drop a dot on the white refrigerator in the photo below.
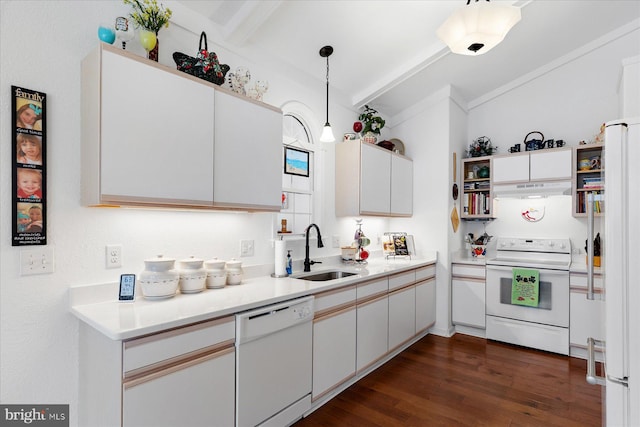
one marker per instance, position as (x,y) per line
(621,265)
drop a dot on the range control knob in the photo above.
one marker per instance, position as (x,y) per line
(551,243)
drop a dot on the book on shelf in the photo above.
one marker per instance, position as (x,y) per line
(598,201)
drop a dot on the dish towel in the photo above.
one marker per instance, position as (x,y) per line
(525,287)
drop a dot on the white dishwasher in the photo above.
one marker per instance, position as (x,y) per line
(273,363)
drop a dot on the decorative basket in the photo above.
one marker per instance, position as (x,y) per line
(204,66)
(534,144)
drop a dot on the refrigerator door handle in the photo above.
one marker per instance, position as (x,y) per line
(590,291)
(592,378)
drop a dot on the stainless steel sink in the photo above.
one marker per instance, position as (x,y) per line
(325,276)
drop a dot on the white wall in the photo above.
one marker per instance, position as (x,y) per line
(42,45)
(426,136)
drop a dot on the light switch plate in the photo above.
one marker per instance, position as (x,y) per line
(335,241)
(36,261)
(246,248)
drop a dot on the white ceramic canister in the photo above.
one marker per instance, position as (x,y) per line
(159,280)
(234,272)
(193,276)
(216,274)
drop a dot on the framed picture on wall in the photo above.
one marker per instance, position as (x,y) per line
(296,162)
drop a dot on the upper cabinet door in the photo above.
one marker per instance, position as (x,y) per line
(155,147)
(401,186)
(375,185)
(550,164)
(248,153)
(511,168)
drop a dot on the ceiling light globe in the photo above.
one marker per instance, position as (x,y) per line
(327,134)
(478,27)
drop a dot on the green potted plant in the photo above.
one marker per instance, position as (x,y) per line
(372,124)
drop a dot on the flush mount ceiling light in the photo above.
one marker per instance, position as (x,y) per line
(327,133)
(478,27)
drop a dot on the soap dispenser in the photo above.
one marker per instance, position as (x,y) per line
(289,263)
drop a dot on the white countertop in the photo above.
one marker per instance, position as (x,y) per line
(125,320)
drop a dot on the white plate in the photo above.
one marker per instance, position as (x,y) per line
(398,145)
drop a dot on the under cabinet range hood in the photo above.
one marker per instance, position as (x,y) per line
(532,189)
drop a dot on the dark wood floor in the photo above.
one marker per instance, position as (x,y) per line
(467,381)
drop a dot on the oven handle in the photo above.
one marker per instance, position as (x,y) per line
(590,291)
(592,378)
(505,268)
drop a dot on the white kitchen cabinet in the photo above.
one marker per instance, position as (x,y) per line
(156,379)
(174,396)
(468,295)
(371,180)
(402,316)
(401,185)
(402,308)
(248,154)
(139,141)
(586,317)
(372,322)
(334,340)
(425,304)
(539,165)
(375,180)
(153,136)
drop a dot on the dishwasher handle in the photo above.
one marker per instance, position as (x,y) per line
(264,321)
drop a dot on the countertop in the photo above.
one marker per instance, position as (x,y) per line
(126,320)
(464,258)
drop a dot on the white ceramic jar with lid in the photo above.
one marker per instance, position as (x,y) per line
(234,272)
(216,274)
(193,276)
(159,280)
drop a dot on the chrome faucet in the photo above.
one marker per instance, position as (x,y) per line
(307,261)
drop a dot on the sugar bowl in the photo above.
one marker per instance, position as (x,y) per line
(234,272)
(193,276)
(216,273)
(159,280)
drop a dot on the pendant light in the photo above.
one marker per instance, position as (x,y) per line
(478,27)
(327,133)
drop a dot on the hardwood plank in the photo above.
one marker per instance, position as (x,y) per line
(463,381)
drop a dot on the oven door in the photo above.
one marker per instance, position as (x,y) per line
(553,307)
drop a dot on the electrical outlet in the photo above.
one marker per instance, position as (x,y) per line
(36,261)
(113,256)
(335,241)
(246,248)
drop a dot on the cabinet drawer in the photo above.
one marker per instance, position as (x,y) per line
(156,348)
(374,287)
(425,272)
(334,299)
(402,279)
(466,270)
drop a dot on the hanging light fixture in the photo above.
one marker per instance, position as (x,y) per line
(478,27)
(327,133)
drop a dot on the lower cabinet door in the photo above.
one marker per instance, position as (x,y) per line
(402,316)
(425,304)
(334,350)
(372,331)
(468,302)
(197,392)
